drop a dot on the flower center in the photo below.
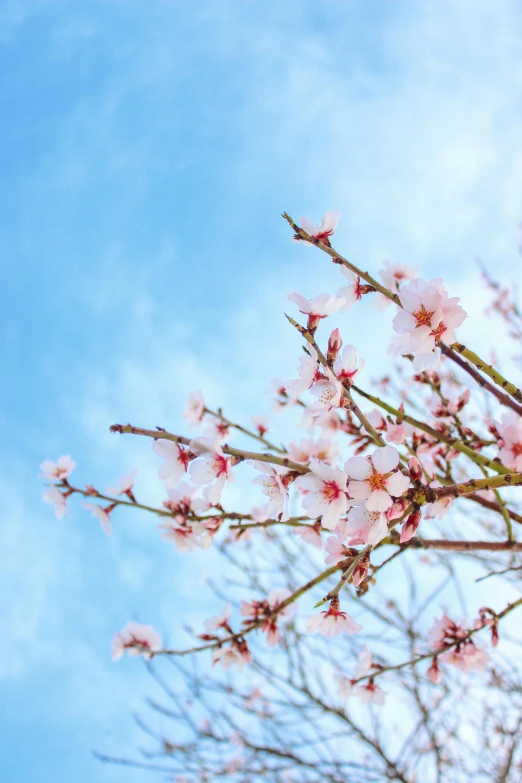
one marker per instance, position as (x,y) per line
(331,491)
(423,316)
(516,448)
(377,481)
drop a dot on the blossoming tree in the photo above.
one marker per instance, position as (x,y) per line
(342,653)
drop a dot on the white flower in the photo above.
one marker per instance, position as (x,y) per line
(345,366)
(175,461)
(307,372)
(326,494)
(59,470)
(319,307)
(332,622)
(365,527)
(330,395)
(137,640)
(326,229)
(273,485)
(54,496)
(212,467)
(375,480)
(100,514)
(125,486)
(195,409)
(219,621)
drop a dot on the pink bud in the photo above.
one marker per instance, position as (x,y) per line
(334,345)
(410,526)
(415,469)
(313,323)
(360,572)
(397,510)
(434,673)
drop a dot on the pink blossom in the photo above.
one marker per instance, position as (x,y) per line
(366,527)
(332,622)
(310,534)
(330,394)
(236,654)
(375,479)
(466,657)
(510,431)
(446,631)
(274,483)
(102,514)
(180,532)
(351,293)
(396,433)
(336,550)
(58,499)
(335,342)
(125,486)
(323,450)
(395,275)
(321,306)
(211,468)
(59,470)
(261,425)
(326,494)
(307,372)
(195,409)
(370,692)
(183,500)
(325,230)
(217,429)
(219,621)
(428,316)
(137,640)
(176,460)
(346,366)
(276,598)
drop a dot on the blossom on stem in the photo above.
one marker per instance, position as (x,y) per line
(195,409)
(136,639)
(235,654)
(375,478)
(326,493)
(366,527)
(176,460)
(393,277)
(321,306)
(307,372)
(102,514)
(219,621)
(211,467)
(274,484)
(510,445)
(261,425)
(346,366)
(353,292)
(310,534)
(125,486)
(58,499)
(410,526)
(329,393)
(428,316)
(59,470)
(328,225)
(332,622)
(323,450)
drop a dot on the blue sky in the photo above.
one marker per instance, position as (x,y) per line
(147,152)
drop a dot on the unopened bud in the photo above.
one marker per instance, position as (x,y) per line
(415,469)
(360,571)
(334,345)
(410,526)
(397,510)
(434,673)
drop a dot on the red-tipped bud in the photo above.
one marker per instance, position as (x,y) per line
(415,469)
(397,510)
(361,571)
(410,526)
(434,673)
(494,635)
(334,345)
